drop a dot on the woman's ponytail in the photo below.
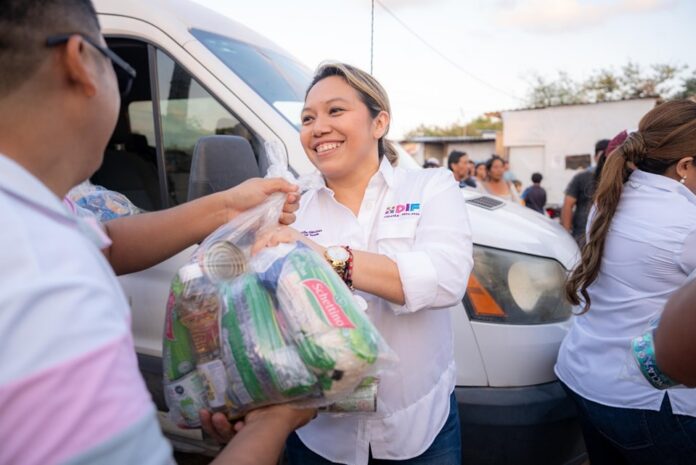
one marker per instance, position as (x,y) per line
(606,199)
(666,134)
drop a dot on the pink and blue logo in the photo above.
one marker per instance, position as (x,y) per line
(406,209)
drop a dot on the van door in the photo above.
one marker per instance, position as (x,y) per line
(149,158)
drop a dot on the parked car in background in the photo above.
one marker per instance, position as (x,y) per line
(201,74)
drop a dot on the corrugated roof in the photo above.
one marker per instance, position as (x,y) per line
(579,104)
(449,139)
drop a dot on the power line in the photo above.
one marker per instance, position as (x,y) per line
(372,36)
(439,53)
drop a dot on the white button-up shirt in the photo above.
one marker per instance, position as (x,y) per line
(650,251)
(418,218)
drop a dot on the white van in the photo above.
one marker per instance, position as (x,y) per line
(201,74)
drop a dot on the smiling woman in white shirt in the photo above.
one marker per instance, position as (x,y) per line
(641,248)
(405,236)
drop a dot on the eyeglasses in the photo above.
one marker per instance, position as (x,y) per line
(124,72)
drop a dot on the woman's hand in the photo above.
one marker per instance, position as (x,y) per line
(283,235)
(254,191)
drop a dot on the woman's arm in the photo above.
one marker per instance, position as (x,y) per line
(142,241)
(373,273)
(434,273)
(675,344)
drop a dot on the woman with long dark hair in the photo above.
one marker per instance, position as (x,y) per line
(641,246)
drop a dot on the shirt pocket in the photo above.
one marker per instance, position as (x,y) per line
(396,236)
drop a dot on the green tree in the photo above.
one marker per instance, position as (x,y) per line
(688,88)
(604,85)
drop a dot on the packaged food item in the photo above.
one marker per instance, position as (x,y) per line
(262,366)
(103,203)
(362,400)
(333,336)
(177,353)
(187,396)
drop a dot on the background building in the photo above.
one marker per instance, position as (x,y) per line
(559,141)
(423,147)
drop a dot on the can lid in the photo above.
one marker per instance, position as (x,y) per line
(190,272)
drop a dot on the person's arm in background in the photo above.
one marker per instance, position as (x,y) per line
(675,337)
(567,212)
(571,198)
(144,240)
(261,439)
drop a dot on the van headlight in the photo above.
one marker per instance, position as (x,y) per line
(514,288)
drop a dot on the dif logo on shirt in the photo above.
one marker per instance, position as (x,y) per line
(405,209)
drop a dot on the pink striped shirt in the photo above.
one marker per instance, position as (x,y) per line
(70,390)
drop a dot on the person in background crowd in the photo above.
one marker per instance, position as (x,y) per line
(517,184)
(472,169)
(641,248)
(70,388)
(431,163)
(458,164)
(675,344)
(495,184)
(480,172)
(412,270)
(578,195)
(534,196)
(508,175)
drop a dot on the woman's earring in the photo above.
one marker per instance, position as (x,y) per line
(683,180)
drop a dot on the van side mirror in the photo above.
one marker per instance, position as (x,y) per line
(219,163)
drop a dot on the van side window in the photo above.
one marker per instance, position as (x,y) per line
(130,159)
(153,171)
(188,112)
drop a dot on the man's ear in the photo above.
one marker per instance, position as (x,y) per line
(381,124)
(79,66)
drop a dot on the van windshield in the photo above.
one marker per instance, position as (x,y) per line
(278,79)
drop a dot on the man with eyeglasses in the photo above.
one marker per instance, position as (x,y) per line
(70,390)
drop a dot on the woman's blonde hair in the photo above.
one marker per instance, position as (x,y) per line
(665,135)
(371,93)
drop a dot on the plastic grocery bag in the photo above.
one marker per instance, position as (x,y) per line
(103,203)
(242,332)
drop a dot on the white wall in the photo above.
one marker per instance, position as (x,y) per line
(477,151)
(561,131)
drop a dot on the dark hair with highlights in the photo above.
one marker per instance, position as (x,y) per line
(665,135)
(371,93)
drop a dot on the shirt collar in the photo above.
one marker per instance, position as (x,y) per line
(20,183)
(661,182)
(385,170)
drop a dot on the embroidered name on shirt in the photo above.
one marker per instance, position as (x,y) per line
(313,233)
(406,209)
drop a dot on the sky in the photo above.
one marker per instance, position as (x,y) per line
(447,61)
